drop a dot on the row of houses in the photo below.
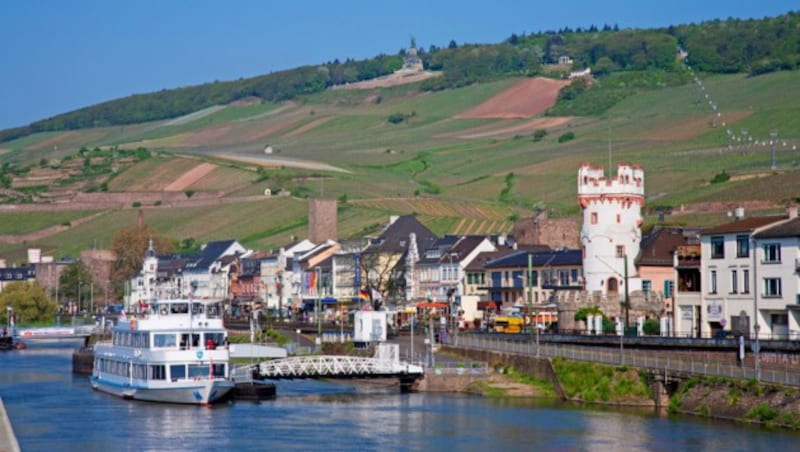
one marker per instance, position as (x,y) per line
(404,268)
(740,276)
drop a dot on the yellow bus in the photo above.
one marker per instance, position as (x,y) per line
(508,324)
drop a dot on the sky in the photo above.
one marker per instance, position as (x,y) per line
(59,56)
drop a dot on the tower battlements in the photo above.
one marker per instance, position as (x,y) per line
(629,182)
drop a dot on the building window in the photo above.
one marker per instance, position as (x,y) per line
(745,281)
(593,217)
(620,250)
(534,278)
(563,277)
(717,247)
(647,286)
(713,279)
(772,253)
(669,286)
(772,287)
(574,275)
(742,246)
(734,284)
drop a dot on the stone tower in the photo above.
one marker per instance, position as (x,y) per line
(611,233)
(322,220)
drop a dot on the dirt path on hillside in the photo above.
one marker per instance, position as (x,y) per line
(190,177)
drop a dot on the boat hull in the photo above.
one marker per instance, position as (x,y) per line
(202,392)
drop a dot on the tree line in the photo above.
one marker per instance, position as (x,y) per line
(753,46)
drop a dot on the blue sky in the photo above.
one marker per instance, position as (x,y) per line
(62,55)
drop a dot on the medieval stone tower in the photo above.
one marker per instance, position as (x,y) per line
(322,220)
(611,233)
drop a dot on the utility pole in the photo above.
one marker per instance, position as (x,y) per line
(627,302)
(319,307)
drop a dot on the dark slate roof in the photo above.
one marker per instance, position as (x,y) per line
(479,263)
(444,247)
(210,253)
(659,245)
(17,273)
(170,265)
(549,259)
(743,225)
(790,228)
(467,243)
(394,239)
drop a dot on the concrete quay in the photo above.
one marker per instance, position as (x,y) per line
(8,440)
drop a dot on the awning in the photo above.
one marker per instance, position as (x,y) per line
(431,305)
(484,305)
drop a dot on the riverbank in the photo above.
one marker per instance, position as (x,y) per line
(8,440)
(738,400)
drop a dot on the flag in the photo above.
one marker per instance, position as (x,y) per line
(363,295)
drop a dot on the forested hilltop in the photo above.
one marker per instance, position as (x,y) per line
(753,46)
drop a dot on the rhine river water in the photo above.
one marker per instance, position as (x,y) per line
(53,409)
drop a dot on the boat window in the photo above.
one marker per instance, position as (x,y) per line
(185,340)
(165,340)
(198,370)
(219,370)
(140,371)
(179,308)
(213,311)
(177,371)
(214,340)
(158,372)
(197,308)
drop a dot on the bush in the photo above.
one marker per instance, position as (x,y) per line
(396,118)
(651,327)
(137,204)
(721,177)
(566,137)
(539,134)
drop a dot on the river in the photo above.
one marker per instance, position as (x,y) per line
(53,409)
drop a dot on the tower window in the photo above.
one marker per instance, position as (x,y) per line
(594,217)
(619,218)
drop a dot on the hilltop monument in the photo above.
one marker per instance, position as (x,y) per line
(412,63)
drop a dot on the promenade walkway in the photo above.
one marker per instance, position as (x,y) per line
(8,440)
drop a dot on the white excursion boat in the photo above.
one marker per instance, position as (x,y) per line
(175,352)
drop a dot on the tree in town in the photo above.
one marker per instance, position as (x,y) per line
(77,284)
(29,302)
(130,245)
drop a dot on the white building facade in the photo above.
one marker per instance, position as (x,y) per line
(611,232)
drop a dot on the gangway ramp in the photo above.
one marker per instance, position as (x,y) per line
(385,364)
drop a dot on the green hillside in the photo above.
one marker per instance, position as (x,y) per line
(410,148)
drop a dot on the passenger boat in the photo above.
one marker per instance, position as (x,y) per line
(175,351)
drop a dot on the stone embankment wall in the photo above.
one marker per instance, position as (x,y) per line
(540,368)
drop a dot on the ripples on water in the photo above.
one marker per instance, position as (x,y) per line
(52,409)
